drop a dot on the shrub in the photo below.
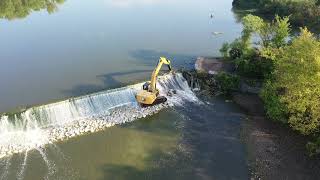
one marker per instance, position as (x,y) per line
(242,46)
(235,53)
(224,50)
(271,34)
(303,13)
(254,66)
(251,24)
(275,109)
(297,72)
(249,61)
(281,28)
(314,147)
(227,82)
(11,9)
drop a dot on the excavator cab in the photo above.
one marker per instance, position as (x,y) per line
(149,95)
(146,86)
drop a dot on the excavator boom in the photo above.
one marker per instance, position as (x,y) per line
(150,93)
(155,72)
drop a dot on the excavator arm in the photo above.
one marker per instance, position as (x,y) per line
(155,73)
(149,94)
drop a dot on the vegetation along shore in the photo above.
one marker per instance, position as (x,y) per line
(275,78)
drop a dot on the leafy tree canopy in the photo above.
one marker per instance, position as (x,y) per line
(296,82)
(301,12)
(12,9)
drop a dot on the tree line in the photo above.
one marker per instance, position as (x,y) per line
(288,66)
(12,9)
(302,12)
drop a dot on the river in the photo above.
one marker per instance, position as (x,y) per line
(83,47)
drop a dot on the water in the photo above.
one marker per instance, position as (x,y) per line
(178,141)
(38,126)
(87,46)
(101,49)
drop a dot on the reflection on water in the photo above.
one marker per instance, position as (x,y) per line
(12,9)
(50,57)
(128,3)
(109,81)
(91,45)
(146,56)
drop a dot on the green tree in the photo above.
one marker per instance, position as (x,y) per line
(12,9)
(295,84)
(251,24)
(248,59)
(281,28)
(302,12)
(271,34)
(227,82)
(224,50)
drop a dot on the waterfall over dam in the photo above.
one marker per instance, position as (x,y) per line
(37,126)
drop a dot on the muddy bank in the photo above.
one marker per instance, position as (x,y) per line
(274,151)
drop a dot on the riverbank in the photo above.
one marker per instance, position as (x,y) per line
(274,151)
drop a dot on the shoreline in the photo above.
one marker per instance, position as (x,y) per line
(274,151)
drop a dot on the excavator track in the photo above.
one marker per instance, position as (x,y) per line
(159,100)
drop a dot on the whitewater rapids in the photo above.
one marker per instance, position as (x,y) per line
(41,125)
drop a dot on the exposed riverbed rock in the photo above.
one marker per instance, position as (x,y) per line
(208,65)
(212,65)
(251,103)
(245,87)
(275,151)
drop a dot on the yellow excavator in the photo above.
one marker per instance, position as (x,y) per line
(149,95)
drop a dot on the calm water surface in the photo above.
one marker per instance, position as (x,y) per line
(86,46)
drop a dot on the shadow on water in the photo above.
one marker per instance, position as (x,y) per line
(209,148)
(144,56)
(108,80)
(148,56)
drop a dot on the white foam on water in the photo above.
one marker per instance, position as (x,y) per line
(50,165)
(42,125)
(6,169)
(23,166)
